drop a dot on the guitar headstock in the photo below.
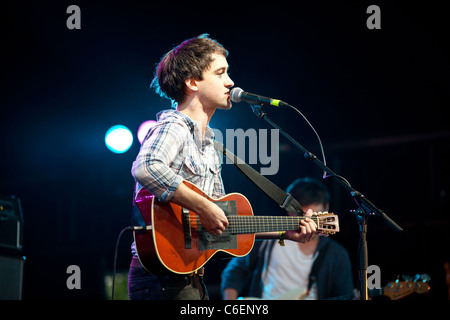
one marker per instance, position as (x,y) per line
(399,289)
(327,223)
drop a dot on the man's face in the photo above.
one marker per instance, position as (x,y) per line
(214,89)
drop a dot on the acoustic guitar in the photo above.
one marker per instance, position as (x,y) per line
(174,239)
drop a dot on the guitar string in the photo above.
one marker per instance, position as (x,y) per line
(240,224)
(262,220)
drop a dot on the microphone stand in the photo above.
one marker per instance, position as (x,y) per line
(366,208)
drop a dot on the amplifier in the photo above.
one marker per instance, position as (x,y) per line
(11,223)
(11,277)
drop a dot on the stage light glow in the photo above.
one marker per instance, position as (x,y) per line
(143,129)
(118,139)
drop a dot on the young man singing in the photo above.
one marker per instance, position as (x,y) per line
(180,147)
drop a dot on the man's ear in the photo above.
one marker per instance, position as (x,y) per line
(191,84)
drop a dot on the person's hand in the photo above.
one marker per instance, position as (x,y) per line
(307,230)
(213,219)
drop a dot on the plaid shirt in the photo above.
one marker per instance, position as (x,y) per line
(174,150)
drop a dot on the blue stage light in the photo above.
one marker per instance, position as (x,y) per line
(118,139)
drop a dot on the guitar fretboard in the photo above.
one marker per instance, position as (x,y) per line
(255,224)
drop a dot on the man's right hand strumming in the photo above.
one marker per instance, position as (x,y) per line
(212,218)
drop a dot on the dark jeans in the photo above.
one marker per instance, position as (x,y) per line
(143,285)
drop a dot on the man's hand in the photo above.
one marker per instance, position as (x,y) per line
(213,219)
(306,231)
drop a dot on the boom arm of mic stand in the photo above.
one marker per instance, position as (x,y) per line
(308,155)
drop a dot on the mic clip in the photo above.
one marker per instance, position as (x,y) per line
(257,109)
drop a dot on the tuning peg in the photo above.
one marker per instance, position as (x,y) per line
(406,278)
(425,277)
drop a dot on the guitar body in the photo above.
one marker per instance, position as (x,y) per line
(175,241)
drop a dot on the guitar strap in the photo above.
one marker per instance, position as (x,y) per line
(316,265)
(283,199)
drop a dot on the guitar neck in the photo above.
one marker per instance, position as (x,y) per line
(327,223)
(255,224)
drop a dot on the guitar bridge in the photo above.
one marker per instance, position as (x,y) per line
(187,229)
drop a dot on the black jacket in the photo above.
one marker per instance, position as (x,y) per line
(331,271)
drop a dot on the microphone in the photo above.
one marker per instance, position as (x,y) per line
(238,95)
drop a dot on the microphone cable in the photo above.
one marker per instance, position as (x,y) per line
(254,99)
(325,176)
(129,228)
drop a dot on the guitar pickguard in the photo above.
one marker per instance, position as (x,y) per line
(227,240)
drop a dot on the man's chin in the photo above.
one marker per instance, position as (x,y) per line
(226,107)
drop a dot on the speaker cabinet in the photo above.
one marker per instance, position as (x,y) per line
(11,224)
(11,277)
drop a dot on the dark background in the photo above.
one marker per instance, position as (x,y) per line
(379,100)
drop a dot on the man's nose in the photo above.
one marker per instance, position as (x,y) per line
(229,82)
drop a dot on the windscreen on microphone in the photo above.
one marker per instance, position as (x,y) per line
(236,94)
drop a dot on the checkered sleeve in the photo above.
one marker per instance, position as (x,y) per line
(159,152)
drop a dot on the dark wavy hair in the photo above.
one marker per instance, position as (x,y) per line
(309,191)
(188,60)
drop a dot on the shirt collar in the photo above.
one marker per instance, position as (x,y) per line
(192,125)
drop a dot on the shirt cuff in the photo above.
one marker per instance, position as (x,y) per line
(168,194)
